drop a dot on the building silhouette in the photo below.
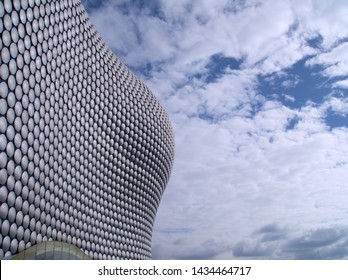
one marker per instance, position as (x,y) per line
(86,150)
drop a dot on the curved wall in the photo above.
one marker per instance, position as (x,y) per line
(85,148)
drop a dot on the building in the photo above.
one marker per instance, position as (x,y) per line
(86,150)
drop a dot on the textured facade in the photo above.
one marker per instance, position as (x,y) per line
(85,148)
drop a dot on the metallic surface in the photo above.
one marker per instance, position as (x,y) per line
(85,148)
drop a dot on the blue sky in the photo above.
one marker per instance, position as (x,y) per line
(257,92)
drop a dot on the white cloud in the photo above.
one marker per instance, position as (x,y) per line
(233,177)
(335,61)
(338,105)
(324,18)
(188,32)
(341,84)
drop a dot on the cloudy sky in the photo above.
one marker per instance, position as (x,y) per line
(257,92)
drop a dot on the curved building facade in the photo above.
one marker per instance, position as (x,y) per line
(86,150)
